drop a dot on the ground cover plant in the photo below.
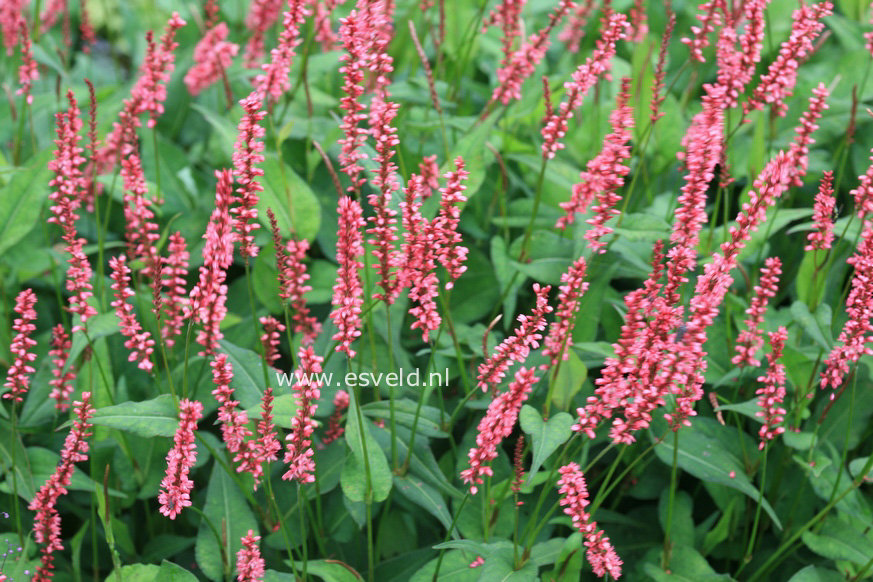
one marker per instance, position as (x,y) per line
(438,290)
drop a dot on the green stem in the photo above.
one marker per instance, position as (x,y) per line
(674,472)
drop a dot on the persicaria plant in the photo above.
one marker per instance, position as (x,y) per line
(401,290)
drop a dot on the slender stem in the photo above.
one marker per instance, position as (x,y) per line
(670,503)
(439,563)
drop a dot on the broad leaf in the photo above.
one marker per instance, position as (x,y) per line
(149,418)
(546,436)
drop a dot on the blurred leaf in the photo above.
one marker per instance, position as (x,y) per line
(149,418)
(136,573)
(500,565)
(21,468)
(170,572)
(22,200)
(810,324)
(227,509)
(568,382)
(546,436)
(365,451)
(707,459)
(329,570)
(291,199)
(248,374)
(427,497)
(838,540)
(686,564)
(817,574)
(404,415)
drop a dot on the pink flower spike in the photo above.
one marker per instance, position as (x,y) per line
(209,296)
(430,175)
(246,157)
(61,382)
(856,333)
(523,62)
(750,340)
(292,281)
(249,564)
(28,71)
(516,347)
(574,498)
(19,373)
(47,522)
(233,421)
(176,302)
(496,425)
(574,30)
(11,12)
(710,18)
(212,56)
(140,231)
(419,260)
(822,237)
(772,393)
(334,429)
(267,441)
(779,81)
(574,286)
(176,487)
(299,451)
(384,221)
(863,194)
(139,342)
(604,175)
(274,81)
(347,293)
(262,15)
(270,338)
(353,31)
(584,78)
(446,237)
(65,199)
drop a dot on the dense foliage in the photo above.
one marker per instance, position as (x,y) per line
(439,290)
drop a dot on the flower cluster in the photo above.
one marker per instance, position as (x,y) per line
(47,522)
(516,347)
(772,393)
(249,563)
(750,340)
(604,175)
(274,81)
(62,381)
(778,83)
(347,293)
(822,236)
(299,443)
(174,268)
(139,342)
(212,56)
(270,338)
(262,15)
(18,375)
(292,281)
(496,425)
(246,157)
(574,499)
(176,487)
(334,429)
(574,286)
(584,78)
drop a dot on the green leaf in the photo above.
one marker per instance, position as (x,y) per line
(227,510)
(248,375)
(838,540)
(291,199)
(500,567)
(643,227)
(686,565)
(101,325)
(136,573)
(422,463)
(427,497)
(44,463)
(810,324)
(472,148)
(22,200)
(404,415)
(455,567)
(354,478)
(816,574)
(171,572)
(328,570)
(20,468)
(571,376)
(706,458)
(149,418)
(546,436)
(749,408)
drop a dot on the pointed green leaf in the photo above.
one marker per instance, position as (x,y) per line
(22,200)
(546,437)
(427,497)
(149,418)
